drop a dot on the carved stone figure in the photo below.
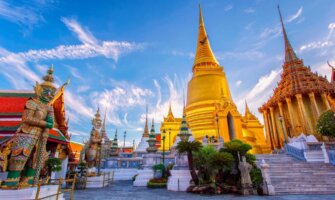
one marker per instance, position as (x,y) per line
(28,144)
(92,152)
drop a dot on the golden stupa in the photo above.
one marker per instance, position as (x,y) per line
(210,109)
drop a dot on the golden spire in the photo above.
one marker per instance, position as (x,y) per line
(204,52)
(248,114)
(146,128)
(289,52)
(170,114)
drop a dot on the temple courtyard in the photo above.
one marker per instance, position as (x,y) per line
(124,190)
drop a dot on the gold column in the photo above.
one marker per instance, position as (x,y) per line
(291,114)
(267,129)
(325,100)
(307,123)
(315,105)
(280,105)
(274,128)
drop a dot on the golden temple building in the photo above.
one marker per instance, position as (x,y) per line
(210,109)
(170,126)
(300,97)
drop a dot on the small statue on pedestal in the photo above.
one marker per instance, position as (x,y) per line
(92,151)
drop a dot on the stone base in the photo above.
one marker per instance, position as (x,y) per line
(269,190)
(122,174)
(30,193)
(96,182)
(248,190)
(179,180)
(143,177)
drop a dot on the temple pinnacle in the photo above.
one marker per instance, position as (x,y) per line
(204,52)
(289,52)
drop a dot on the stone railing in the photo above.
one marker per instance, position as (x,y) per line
(295,152)
(331,154)
(123,163)
(314,146)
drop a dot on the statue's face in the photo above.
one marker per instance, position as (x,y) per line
(96,123)
(47,94)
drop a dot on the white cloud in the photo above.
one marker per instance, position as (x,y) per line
(249,26)
(181,53)
(228,7)
(260,92)
(248,55)
(249,10)
(316,45)
(323,44)
(85,36)
(238,83)
(22,15)
(295,15)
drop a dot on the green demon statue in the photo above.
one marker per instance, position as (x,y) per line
(28,152)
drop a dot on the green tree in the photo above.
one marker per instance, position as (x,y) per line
(188,148)
(221,161)
(202,162)
(326,124)
(53,165)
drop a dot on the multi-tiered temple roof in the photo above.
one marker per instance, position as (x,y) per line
(296,78)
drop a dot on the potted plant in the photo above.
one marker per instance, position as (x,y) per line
(158,169)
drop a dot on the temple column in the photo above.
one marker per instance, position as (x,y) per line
(280,105)
(315,105)
(267,129)
(274,128)
(325,100)
(273,141)
(307,123)
(291,114)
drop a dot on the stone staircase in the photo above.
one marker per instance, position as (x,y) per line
(292,176)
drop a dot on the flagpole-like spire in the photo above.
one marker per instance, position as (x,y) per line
(289,52)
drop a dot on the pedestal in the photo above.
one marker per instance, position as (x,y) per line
(179,180)
(147,173)
(143,177)
(180,174)
(30,193)
(96,182)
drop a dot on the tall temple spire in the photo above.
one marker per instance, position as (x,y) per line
(115,137)
(289,52)
(103,128)
(204,54)
(146,128)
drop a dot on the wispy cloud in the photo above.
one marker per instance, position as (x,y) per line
(238,83)
(247,55)
(260,92)
(181,53)
(295,15)
(249,10)
(228,7)
(323,44)
(26,14)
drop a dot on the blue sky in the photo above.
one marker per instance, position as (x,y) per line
(122,55)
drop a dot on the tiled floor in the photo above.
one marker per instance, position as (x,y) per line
(124,190)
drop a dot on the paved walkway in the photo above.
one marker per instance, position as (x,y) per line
(123,190)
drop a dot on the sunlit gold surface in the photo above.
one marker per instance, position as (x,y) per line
(210,109)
